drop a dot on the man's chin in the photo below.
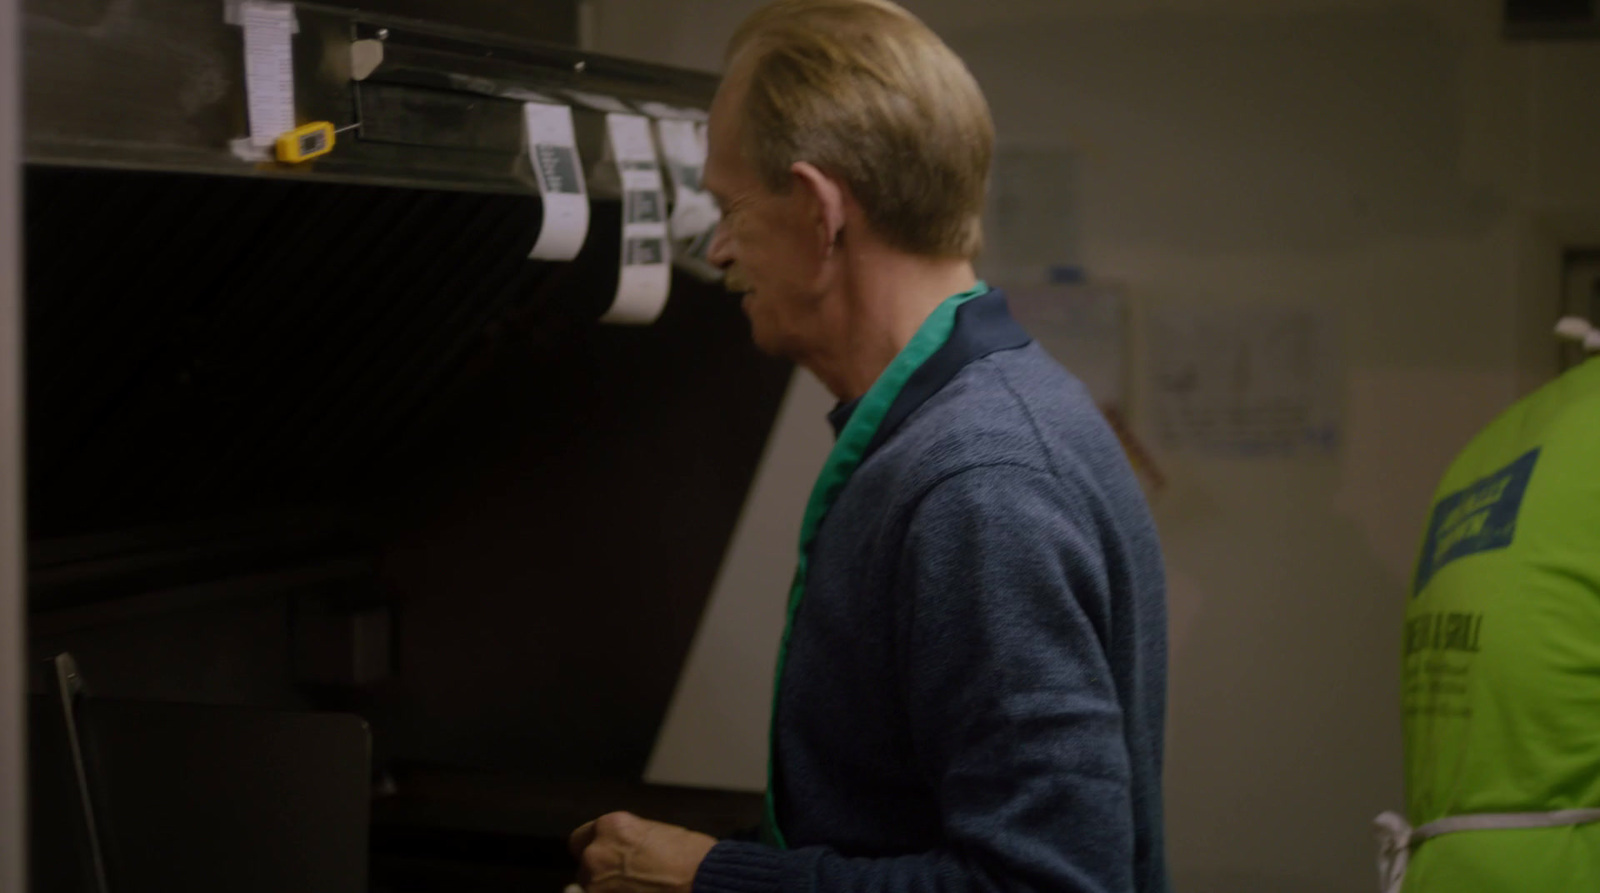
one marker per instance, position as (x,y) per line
(762,336)
(747,304)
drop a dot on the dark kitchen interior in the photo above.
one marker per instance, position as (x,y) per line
(327,441)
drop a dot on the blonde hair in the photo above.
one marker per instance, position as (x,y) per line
(866,92)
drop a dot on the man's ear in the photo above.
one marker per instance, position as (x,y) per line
(828,195)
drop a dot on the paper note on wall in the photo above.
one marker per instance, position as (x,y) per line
(268,69)
(553,151)
(1031,222)
(1245,381)
(646,274)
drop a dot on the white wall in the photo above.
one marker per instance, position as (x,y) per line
(1394,161)
(715,733)
(12,858)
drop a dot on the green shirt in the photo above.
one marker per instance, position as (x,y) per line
(1502,650)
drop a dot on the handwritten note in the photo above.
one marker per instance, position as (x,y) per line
(1250,381)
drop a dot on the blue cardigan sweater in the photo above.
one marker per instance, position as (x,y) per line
(976,678)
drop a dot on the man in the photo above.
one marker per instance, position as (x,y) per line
(971,686)
(1502,661)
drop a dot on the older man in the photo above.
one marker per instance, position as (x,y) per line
(971,684)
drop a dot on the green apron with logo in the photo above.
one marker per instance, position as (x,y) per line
(1501,683)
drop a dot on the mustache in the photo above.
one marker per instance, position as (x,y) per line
(734,281)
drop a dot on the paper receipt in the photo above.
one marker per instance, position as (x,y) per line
(646,264)
(268,69)
(553,151)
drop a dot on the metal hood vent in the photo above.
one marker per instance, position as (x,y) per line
(205,341)
(213,334)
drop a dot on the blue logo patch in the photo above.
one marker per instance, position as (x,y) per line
(1477,519)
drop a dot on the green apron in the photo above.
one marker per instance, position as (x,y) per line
(1501,681)
(846,455)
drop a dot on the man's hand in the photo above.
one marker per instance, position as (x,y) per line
(622,853)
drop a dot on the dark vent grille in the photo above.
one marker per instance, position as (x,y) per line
(197,342)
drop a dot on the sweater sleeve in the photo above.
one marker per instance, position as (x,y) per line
(1014,717)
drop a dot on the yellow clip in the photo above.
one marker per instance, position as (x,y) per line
(306,142)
